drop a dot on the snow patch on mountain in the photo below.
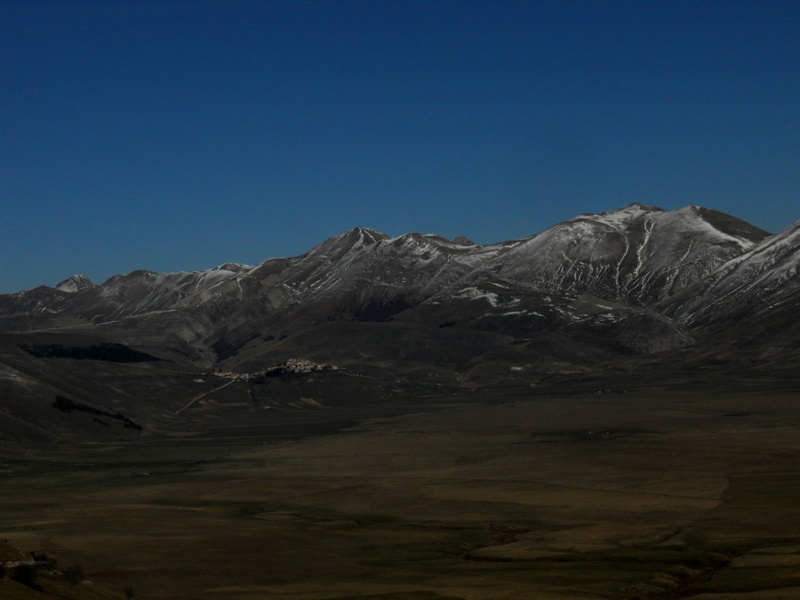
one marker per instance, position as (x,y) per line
(472,293)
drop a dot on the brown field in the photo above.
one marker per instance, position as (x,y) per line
(641,495)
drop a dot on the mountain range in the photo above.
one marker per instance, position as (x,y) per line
(633,290)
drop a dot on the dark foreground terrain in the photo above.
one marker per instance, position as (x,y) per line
(670,492)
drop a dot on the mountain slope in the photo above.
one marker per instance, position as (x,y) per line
(750,285)
(638,254)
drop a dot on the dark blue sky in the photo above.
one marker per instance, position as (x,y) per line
(176,135)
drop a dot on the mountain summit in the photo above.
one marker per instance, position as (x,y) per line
(76,283)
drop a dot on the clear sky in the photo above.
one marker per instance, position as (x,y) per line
(177,135)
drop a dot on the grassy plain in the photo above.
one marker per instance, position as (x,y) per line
(660,494)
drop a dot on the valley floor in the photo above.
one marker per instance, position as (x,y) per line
(644,495)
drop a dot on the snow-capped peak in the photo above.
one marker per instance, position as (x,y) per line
(76,283)
(233,267)
(622,217)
